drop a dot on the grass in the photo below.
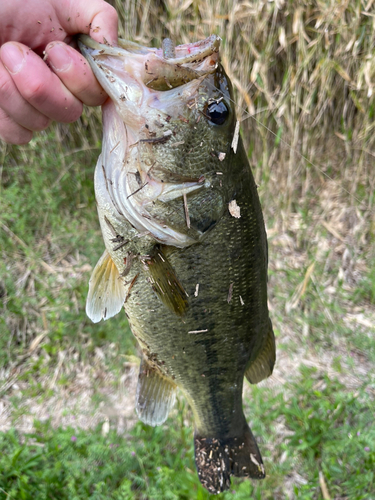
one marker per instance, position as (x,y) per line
(327,427)
(305,76)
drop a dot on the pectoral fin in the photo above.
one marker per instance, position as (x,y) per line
(155,396)
(165,282)
(262,366)
(106,290)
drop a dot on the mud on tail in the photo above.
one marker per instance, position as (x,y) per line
(217,459)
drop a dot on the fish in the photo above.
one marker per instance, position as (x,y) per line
(185,243)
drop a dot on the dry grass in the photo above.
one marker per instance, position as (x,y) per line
(302,70)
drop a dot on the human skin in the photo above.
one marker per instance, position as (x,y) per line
(42,77)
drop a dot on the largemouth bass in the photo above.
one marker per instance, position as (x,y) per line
(186,247)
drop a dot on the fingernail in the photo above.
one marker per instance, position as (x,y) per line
(58,57)
(13,57)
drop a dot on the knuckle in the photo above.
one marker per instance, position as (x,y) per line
(81,88)
(6,86)
(35,92)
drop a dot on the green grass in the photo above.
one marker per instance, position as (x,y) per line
(315,417)
(333,432)
(327,426)
(69,463)
(50,221)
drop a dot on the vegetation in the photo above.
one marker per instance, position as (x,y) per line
(303,73)
(323,424)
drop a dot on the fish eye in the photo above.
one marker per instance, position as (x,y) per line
(217,112)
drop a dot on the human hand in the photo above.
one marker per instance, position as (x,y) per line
(33,93)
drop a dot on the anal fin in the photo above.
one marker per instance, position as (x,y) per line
(165,283)
(106,290)
(262,366)
(155,396)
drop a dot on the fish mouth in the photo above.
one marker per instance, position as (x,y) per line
(152,94)
(158,69)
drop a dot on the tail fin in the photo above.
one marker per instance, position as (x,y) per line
(217,459)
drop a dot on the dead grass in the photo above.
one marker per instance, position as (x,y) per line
(304,70)
(95,396)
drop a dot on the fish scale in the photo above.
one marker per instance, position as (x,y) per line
(187,206)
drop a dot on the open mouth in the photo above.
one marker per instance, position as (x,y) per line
(158,69)
(153,95)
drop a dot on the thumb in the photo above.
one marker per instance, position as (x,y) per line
(95,18)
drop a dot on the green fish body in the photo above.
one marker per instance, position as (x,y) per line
(186,247)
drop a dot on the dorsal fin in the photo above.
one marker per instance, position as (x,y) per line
(165,282)
(156,395)
(262,366)
(107,291)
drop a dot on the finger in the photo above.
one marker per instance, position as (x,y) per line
(96,18)
(72,69)
(15,106)
(104,26)
(11,132)
(38,85)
